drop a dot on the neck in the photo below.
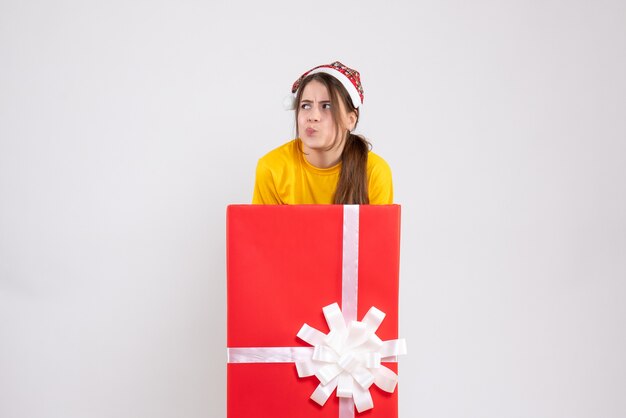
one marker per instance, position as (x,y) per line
(323,158)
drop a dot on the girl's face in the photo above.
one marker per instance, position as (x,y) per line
(316,125)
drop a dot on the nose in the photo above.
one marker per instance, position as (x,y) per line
(314,115)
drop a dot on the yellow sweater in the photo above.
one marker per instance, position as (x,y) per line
(284,176)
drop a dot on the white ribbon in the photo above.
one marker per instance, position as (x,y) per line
(268,354)
(349,357)
(350,262)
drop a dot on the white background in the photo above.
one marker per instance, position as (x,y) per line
(126,127)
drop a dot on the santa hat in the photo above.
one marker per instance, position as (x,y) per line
(348,77)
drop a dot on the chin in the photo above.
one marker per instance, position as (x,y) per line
(314,144)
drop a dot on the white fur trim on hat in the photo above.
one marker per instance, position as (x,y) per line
(345,81)
(289,102)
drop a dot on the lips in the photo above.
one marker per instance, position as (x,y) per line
(310,131)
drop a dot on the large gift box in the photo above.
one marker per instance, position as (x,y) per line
(324,266)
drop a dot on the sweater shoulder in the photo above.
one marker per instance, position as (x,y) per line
(280,156)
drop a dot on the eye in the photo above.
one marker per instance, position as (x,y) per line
(305,106)
(326,106)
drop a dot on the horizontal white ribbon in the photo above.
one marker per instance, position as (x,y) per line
(268,354)
(277,355)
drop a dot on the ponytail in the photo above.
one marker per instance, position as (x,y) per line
(352,185)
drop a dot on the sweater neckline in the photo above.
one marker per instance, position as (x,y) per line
(310,167)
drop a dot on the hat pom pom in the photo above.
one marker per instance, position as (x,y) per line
(289,102)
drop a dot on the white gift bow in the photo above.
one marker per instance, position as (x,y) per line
(349,299)
(348,357)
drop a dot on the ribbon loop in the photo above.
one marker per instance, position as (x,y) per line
(363,377)
(362,399)
(372,360)
(385,379)
(393,348)
(335,340)
(306,368)
(310,335)
(373,318)
(325,354)
(373,343)
(348,362)
(344,386)
(321,394)
(334,318)
(358,333)
(328,373)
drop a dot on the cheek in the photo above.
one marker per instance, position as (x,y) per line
(330,125)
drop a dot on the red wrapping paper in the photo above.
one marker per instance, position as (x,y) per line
(284,264)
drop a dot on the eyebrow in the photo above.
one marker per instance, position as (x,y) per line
(311,101)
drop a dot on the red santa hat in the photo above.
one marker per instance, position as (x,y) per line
(348,77)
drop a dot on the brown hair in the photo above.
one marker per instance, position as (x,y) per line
(352,184)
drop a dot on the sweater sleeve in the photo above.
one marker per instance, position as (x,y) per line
(264,187)
(380,184)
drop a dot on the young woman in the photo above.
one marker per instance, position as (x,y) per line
(326,163)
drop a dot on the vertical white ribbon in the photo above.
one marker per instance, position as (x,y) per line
(350,262)
(350,282)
